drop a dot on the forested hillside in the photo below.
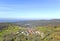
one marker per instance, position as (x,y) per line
(12,32)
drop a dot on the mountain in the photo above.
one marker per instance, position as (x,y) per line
(32,22)
(40,22)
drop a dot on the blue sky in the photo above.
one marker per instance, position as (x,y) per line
(30,9)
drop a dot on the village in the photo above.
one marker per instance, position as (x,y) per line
(31,31)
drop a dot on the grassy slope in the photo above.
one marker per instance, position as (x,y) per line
(49,32)
(11,29)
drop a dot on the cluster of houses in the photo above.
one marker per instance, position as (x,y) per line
(31,31)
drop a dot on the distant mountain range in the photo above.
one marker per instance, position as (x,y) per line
(16,20)
(32,22)
(53,22)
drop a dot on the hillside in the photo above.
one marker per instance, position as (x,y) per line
(40,33)
(30,30)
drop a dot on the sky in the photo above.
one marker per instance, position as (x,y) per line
(30,9)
